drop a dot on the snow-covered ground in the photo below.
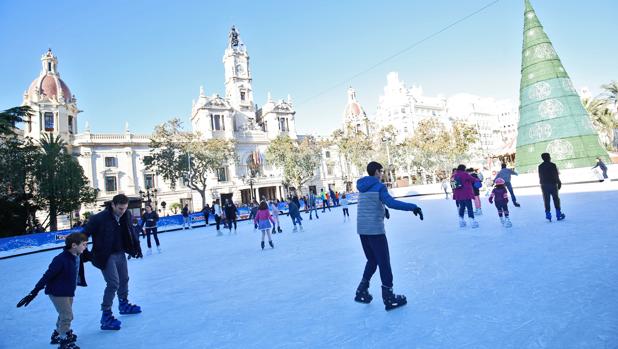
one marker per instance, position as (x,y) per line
(536,285)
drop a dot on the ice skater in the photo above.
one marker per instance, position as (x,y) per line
(476,188)
(64,274)
(217,212)
(231,213)
(601,165)
(500,197)
(344,207)
(462,183)
(506,173)
(186,218)
(294,213)
(313,205)
(150,219)
(370,227)
(264,221)
(274,207)
(550,185)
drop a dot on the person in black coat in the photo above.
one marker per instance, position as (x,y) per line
(206,212)
(64,274)
(600,164)
(230,214)
(113,236)
(186,219)
(149,221)
(549,179)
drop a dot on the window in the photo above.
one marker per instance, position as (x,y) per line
(111,161)
(149,181)
(283,124)
(71,124)
(327,155)
(110,184)
(242,96)
(49,121)
(48,66)
(217,122)
(222,174)
(329,169)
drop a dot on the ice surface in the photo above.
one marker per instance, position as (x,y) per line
(535,285)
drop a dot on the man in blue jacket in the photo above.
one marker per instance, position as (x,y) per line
(113,236)
(372,197)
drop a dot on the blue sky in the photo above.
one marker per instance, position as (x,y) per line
(143,61)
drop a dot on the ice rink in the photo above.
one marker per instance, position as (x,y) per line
(535,285)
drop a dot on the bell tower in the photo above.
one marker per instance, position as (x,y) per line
(238,89)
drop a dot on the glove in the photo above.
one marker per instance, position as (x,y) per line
(139,254)
(26,300)
(559,185)
(491,200)
(387,214)
(418,212)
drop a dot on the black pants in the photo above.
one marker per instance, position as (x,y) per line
(345,212)
(376,251)
(550,190)
(206,218)
(325,204)
(229,223)
(152,230)
(217,220)
(503,208)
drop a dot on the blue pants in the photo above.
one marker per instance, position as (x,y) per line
(463,204)
(376,252)
(311,209)
(296,219)
(153,231)
(509,187)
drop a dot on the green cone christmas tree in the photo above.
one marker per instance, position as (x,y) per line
(552,118)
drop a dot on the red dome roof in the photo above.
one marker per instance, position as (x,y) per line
(49,88)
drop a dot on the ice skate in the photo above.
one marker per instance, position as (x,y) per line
(66,343)
(548,216)
(391,300)
(149,251)
(478,212)
(559,215)
(294,230)
(109,322)
(502,220)
(271,244)
(124,307)
(462,223)
(159,249)
(362,293)
(516,204)
(279,229)
(55,337)
(507,222)
(262,245)
(301,228)
(474,224)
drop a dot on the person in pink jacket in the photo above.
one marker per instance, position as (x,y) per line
(463,193)
(264,221)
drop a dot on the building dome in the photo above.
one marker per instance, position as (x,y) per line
(49,85)
(353,109)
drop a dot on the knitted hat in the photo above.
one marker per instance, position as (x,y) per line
(499,181)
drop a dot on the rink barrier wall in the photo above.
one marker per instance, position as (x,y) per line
(55,240)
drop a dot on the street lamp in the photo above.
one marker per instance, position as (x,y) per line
(250,180)
(147,194)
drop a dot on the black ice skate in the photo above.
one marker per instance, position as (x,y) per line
(271,244)
(362,293)
(391,300)
(55,337)
(262,245)
(65,343)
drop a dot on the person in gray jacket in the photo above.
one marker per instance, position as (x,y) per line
(506,173)
(372,197)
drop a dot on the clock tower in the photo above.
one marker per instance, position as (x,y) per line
(238,90)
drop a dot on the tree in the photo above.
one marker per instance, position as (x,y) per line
(462,137)
(297,159)
(432,144)
(179,155)
(356,147)
(602,118)
(61,186)
(11,117)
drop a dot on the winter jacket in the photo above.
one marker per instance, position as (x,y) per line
(500,195)
(263,215)
(601,165)
(150,219)
(344,203)
(108,234)
(465,192)
(548,174)
(61,278)
(185,211)
(293,209)
(505,174)
(230,211)
(371,200)
(216,210)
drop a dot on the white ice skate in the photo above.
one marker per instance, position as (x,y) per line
(149,252)
(301,228)
(158,249)
(474,224)
(502,220)
(478,212)
(294,230)
(507,222)
(462,223)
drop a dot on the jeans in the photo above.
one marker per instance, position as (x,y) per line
(509,187)
(550,190)
(463,204)
(311,209)
(152,230)
(376,252)
(116,275)
(218,221)
(64,307)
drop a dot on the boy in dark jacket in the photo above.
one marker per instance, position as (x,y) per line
(113,236)
(550,185)
(372,197)
(64,274)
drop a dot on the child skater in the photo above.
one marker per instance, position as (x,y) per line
(264,222)
(274,207)
(295,215)
(64,274)
(501,197)
(344,204)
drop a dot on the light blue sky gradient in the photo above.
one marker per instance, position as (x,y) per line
(143,61)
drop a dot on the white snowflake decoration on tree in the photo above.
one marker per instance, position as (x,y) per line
(568,85)
(544,51)
(540,131)
(551,108)
(560,149)
(540,90)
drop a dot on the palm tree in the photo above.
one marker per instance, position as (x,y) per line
(602,118)
(611,91)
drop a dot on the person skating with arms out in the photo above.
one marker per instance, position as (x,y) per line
(264,222)
(500,196)
(372,197)
(64,274)
(506,173)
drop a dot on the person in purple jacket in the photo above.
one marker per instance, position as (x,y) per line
(463,193)
(500,196)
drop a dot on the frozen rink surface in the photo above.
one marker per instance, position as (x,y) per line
(535,285)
